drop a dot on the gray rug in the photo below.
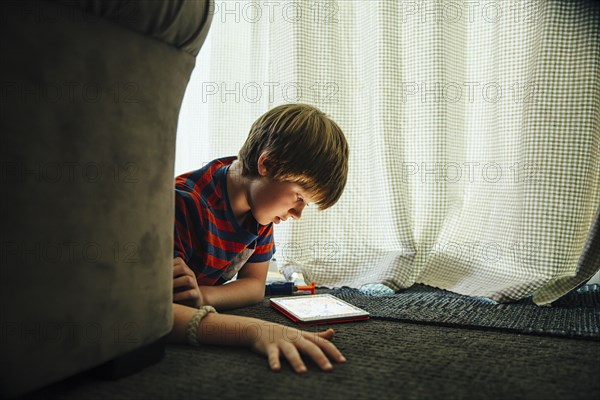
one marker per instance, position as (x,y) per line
(388,357)
(577,315)
(386,360)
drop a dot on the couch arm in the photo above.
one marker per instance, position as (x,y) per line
(88,117)
(181,23)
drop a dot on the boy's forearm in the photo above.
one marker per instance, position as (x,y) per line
(217,329)
(241,292)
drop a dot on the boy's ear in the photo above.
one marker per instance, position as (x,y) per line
(263,162)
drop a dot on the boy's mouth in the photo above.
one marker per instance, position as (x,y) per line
(277,220)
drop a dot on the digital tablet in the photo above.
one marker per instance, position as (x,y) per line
(318,309)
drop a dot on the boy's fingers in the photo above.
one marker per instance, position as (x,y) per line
(177,270)
(291,353)
(178,261)
(332,351)
(186,269)
(184,280)
(187,295)
(320,340)
(314,336)
(315,353)
(327,334)
(182,269)
(273,356)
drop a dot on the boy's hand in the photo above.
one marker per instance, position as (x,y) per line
(276,339)
(264,337)
(185,285)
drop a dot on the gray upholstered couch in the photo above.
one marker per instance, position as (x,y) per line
(91,92)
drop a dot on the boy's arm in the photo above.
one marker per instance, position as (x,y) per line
(248,288)
(269,339)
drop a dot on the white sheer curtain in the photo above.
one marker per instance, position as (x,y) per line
(473,129)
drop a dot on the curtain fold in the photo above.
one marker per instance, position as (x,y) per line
(473,130)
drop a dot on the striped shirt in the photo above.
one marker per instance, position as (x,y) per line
(207,235)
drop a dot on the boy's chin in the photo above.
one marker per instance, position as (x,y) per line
(267,221)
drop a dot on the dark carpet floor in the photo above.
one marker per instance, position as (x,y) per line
(386,359)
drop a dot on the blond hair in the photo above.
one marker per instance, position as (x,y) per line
(303,146)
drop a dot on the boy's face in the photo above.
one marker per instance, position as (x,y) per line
(272,201)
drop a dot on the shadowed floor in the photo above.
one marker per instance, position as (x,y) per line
(386,359)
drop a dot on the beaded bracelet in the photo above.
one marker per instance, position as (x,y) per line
(191,331)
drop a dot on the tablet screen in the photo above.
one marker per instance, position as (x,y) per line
(318,307)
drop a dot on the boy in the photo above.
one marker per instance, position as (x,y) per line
(294,155)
